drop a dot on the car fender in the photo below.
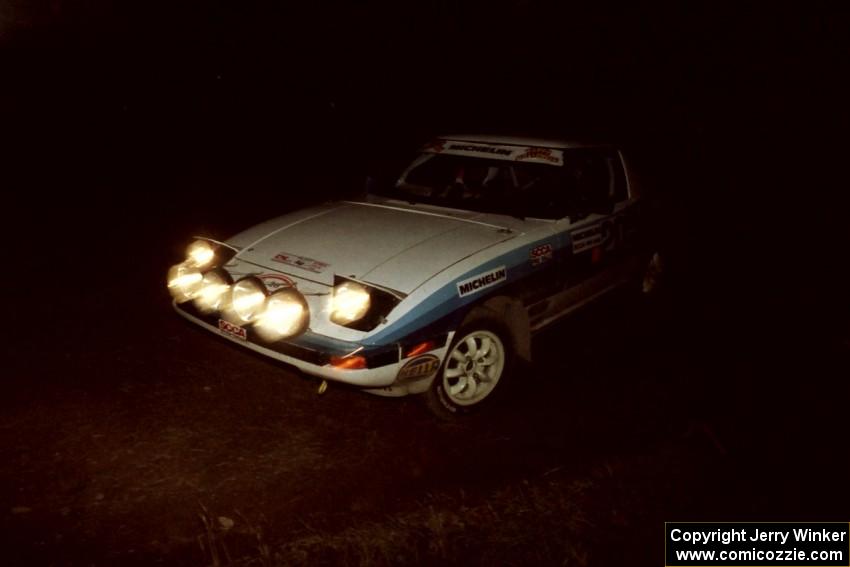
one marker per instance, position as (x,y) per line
(511,312)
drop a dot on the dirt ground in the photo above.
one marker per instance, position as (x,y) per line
(130,437)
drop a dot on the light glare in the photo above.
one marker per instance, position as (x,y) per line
(245,305)
(248,300)
(351,301)
(184,282)
(200,253)
(213,293)
(284,316)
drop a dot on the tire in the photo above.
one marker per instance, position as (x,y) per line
(467,382)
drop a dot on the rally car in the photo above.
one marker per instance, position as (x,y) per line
(435,284)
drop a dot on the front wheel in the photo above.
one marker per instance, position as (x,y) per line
(476,368)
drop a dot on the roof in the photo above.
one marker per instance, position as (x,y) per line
(522,141)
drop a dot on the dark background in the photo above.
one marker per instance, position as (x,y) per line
(128,127)
(122,111)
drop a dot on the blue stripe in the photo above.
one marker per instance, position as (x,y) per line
(323,343)
(446,299)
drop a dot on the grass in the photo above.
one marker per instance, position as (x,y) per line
(553,519)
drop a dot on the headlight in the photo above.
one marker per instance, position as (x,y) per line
(184,281)
(214,292)
(200,254)
(286,314)
(350,302)
(360,306)
(247,300)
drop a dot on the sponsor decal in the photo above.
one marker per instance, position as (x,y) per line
(308,264)
(586,238)
(232,330)
(419,367)
(481,281)
(274,282)
(495,150)
(540,254)
(434,147)
(545,154)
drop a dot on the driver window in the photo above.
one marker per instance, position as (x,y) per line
(586,183)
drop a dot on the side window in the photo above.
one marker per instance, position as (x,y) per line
(547,192)
(588,181)
(598,177)
(593,179)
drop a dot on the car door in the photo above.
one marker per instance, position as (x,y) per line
(599,235)
(594,235)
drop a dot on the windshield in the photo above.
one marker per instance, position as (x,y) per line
(540,190)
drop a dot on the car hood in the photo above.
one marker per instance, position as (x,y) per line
(392,246)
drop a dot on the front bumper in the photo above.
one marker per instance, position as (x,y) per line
(312,353)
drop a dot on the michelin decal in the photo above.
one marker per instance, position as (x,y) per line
(497,151)
(481,281)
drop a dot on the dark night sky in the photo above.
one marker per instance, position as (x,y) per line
(214,72)
(737,109)
(671,69)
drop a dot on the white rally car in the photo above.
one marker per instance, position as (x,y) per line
(436,284)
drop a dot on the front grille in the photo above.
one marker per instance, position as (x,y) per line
(301,353)
(383,357)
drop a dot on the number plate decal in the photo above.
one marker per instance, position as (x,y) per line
(232,330)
